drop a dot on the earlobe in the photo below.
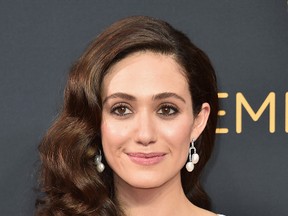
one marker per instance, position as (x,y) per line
(200,121)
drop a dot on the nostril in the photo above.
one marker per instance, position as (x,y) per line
(146,137)
(145,133)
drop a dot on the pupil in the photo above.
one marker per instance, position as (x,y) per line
(122,110)
(166,110)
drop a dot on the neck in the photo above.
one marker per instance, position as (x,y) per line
(167,199)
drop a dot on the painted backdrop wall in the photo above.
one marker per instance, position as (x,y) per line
(247,42)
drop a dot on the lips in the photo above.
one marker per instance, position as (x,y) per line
(146,158)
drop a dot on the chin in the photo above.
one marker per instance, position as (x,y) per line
(146,184)
(145,179)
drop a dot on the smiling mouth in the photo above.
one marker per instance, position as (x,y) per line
(146,158)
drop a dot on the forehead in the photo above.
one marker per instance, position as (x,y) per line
(145,71)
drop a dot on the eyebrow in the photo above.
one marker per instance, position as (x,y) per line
(159,96)
(165,95)
(120,95)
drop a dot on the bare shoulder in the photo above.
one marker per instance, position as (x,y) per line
(204,212)
(197,211)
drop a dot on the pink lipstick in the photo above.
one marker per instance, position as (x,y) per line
(146,158)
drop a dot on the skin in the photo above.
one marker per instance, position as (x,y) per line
(147,126)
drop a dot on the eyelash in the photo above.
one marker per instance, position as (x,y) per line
(174,109)
(115,110)
(120,106)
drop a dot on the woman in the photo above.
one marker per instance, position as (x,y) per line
(136,129)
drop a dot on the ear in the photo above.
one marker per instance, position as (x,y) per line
(200,121)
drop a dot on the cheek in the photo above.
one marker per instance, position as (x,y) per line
(113,135)
(179,129)
(111,130)
(177,134)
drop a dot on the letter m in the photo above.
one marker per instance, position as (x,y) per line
(269,101)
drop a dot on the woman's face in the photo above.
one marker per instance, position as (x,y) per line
(147,120)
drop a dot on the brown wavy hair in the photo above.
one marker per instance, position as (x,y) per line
(69,182)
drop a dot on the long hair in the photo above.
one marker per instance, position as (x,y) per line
(69,181)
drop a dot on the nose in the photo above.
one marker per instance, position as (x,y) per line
(146,133)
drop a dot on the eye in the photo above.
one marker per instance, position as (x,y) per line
(167,110)
(121,110)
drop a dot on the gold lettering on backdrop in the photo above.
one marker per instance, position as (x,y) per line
(269,101)
(222,113)
(286,112)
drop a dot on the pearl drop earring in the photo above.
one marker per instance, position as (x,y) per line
(193,158)
(98,161)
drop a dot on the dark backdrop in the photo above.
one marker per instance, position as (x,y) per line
(247,42)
